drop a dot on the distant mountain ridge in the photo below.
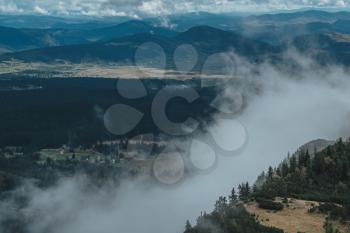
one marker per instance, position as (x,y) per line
(205,39)
(215,40)
(327,48)
(126,29)
(23,39)
(56,22)
(324,35)
(302,16)
(14,39)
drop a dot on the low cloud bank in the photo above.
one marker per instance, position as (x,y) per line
(290,109)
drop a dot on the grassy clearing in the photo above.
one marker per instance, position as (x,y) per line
(294,218)
(59,154)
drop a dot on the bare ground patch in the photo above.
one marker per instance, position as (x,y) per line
(294,218)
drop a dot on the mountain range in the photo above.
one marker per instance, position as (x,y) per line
(206,40)
(324,35)
(15,39)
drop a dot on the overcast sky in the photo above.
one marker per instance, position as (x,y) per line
(157,7)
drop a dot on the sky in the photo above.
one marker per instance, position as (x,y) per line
(139,8)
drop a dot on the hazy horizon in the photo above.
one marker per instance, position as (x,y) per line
(152,8)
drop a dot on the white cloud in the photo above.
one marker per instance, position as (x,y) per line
(288,112)
(154,7)
(9,8)
(157,7)
(40,10)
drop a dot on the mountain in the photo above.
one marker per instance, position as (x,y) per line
(323,34)
(56,37)
(323,176)
(126,29)
(342,26)
(54,22)
(214,40)
(314,184)
(279,33)
(273,29)
(325,47)
(206,39)
(300,17)
(180,22)
(118,50)
(183,22)
(276,29)
(14,39)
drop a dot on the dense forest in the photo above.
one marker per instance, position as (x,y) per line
(48,113)
(322,176)
(229,216)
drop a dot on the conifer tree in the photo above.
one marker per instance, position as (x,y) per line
(233,197)
(270,173)
(188,226)
(293,164)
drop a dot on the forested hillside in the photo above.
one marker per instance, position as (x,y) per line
(229,216)
(321,176)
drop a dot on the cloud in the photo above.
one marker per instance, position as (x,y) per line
(9,7)
(157,7)
(288,111)
(40,10)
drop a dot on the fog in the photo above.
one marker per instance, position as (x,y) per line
(288,111)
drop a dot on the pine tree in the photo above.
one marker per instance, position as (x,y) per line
(285,169)
(221,205)
(300,159)
(344,171)
(244,191)
(315,150)
(307,159)
(247,189)
(328,226)
(233,197)
(270,173)
(188,226)
(241,192)
(293,164)
(255,189)
(340,145)
(278,172)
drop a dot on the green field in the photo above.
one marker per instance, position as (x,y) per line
(60,154)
